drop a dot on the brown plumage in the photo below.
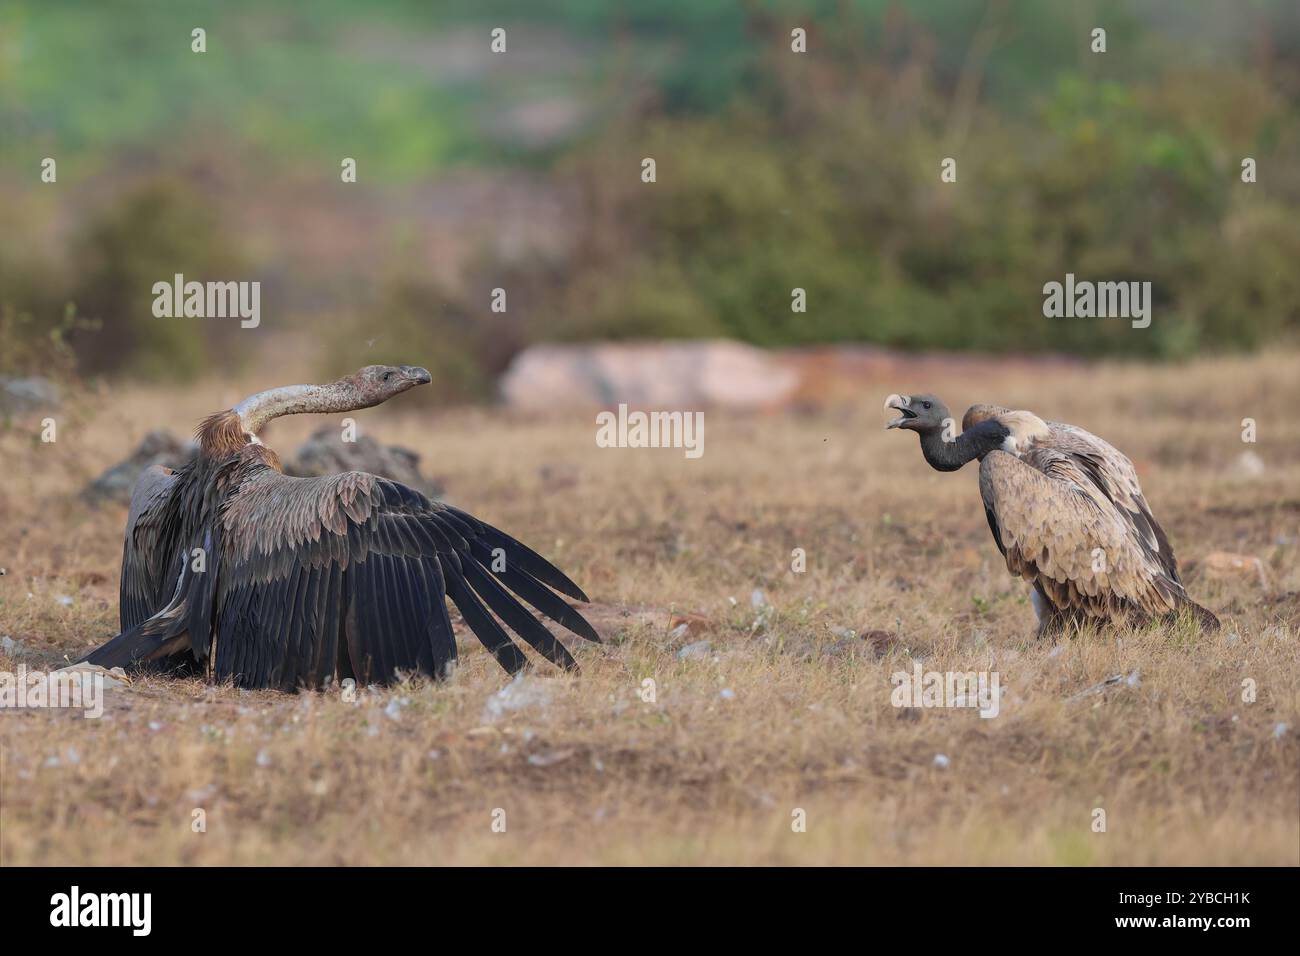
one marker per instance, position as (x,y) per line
(1066,511)
(236,571)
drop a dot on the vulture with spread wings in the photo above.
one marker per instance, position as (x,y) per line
(236,571)
(1066,511)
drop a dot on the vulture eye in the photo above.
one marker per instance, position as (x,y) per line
(925,404)
(388,376)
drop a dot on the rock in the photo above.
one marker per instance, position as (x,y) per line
(325,453)
(113,679)
(21,395)
(156,448)
(322,454)
(698,649)
(13,648)
(1241,567)
(552,758)
(1248,465)
(522,693)
(646,376)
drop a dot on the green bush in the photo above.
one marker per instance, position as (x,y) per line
(836,190)
(146,236)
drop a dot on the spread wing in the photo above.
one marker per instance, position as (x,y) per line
(150,546)
(349,573)
(1058,528)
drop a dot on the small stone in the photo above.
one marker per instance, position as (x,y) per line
(113,679)
(549,759)
(1248,465)
(19,395)
(941,761)
(521,693)
(698,649)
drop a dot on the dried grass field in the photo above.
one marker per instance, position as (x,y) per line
(786,708)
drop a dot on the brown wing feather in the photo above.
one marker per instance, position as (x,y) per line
(1113,472)
(1050,519)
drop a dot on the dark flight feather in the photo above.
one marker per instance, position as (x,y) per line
(309,579)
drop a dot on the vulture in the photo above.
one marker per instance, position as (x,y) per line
(1066,511)
(235,571)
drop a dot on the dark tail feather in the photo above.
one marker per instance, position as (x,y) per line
(1204,617)
(149,640)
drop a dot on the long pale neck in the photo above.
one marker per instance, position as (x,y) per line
(973,443)
(256,410)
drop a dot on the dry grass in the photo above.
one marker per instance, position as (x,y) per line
(589,773)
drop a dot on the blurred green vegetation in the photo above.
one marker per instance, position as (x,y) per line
(150,234)
(775,171)
(831,194)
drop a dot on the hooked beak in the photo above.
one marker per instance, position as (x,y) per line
(417,375)
(899,403)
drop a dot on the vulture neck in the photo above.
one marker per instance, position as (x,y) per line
(256,410)
(975,442)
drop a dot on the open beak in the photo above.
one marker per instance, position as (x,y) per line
(899,403)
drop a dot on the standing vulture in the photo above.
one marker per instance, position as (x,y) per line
(1066,512)
(236,571)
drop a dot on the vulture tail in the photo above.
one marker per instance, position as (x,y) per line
(138,645)
(1204,616)
(152,639)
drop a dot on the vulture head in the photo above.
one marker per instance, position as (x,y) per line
(376,384)
(919,413)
